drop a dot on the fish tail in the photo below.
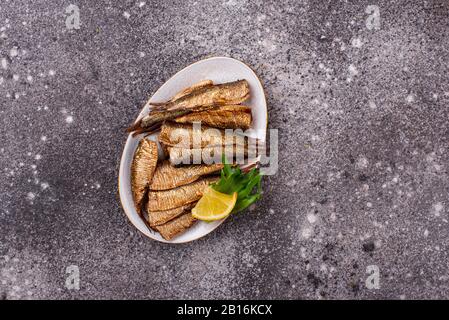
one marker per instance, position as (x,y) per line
(135,126)
(148,130)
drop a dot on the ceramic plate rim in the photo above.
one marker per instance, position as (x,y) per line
(122,158)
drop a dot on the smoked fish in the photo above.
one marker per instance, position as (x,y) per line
(210,155)
(225,117)
(156,218)
(188,136)
(177,197)
(168,177)
(199,97)
(142,169)
(176,226)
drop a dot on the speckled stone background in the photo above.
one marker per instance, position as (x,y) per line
(362,114)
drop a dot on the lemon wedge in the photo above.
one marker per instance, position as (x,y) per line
(214,205)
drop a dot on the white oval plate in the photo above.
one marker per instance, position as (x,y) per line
(219,70)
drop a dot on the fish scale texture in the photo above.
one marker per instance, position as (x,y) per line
(360,100)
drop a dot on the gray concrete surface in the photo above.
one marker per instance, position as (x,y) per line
(363,116)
